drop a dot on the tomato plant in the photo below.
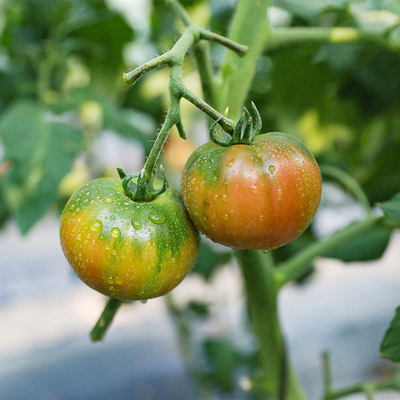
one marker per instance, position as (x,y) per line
(257,196)
(127,249)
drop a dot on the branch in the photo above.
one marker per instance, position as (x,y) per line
(174,59)
(368,387)
(105,319)
(349,183)
(299,264)
(279,37)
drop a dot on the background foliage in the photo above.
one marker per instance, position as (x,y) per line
(60,83)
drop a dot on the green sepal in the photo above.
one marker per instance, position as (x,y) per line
(246,129)
(219,136)
(141,190)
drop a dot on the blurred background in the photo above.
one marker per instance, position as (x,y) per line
(67,117)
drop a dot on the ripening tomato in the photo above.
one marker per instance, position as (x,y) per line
(257,196)
(126,249)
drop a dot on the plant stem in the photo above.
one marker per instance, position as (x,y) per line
(364,387)
(299,264)
(174,58)
(261,291)
(105,319)
(349,183)
(279,37)
(249,27)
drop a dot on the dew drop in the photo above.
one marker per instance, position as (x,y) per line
(136,224)
(78,237)
(96,226)
(108,200)
(112,217)
(115,233)
(157,218)
(271,169)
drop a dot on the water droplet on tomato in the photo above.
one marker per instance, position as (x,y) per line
(96,226)
(108,200)
(157,218)
(271,169)
(78,237)
(136,224)
(115,233)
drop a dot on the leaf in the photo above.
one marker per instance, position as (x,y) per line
(365,247)
(390,346)
(209,260)
(124,121)
(223,360)
(391,208)
(199,308)
(41,154)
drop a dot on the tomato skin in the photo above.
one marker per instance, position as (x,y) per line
(126,249)
(257,196)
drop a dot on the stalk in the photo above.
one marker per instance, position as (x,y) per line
(250,27)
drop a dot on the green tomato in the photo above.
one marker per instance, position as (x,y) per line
(126,249)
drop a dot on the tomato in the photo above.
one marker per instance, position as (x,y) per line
(257,196)
(126,249)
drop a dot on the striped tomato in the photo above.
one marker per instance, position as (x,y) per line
(260,195)
(126,249)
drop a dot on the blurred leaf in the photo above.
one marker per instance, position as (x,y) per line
(41,153)
(199,308)
(391,208)
(310,9)
(209,260)
(3,209)
(368,246)
(126,122)
(390,346)
(223,360)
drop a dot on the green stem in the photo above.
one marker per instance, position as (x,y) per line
(262,291)
(105,319)
(349,183)
(299,264)
(249,27)
(327,373)
(279,37)
(202,54)
(174,59)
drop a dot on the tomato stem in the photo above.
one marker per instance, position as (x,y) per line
(278,379)
(297,265)
(368,387)
(174,59)
(349,183)
(105,319)
(279,37)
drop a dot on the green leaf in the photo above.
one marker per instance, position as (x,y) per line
(199,308)
(209,260)
(126,122)
(365,247)
(391,208)
(390,346)
(41,153)
(223,360)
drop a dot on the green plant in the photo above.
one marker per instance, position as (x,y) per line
(319,77)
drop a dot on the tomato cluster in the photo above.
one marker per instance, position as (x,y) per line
(255,195)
